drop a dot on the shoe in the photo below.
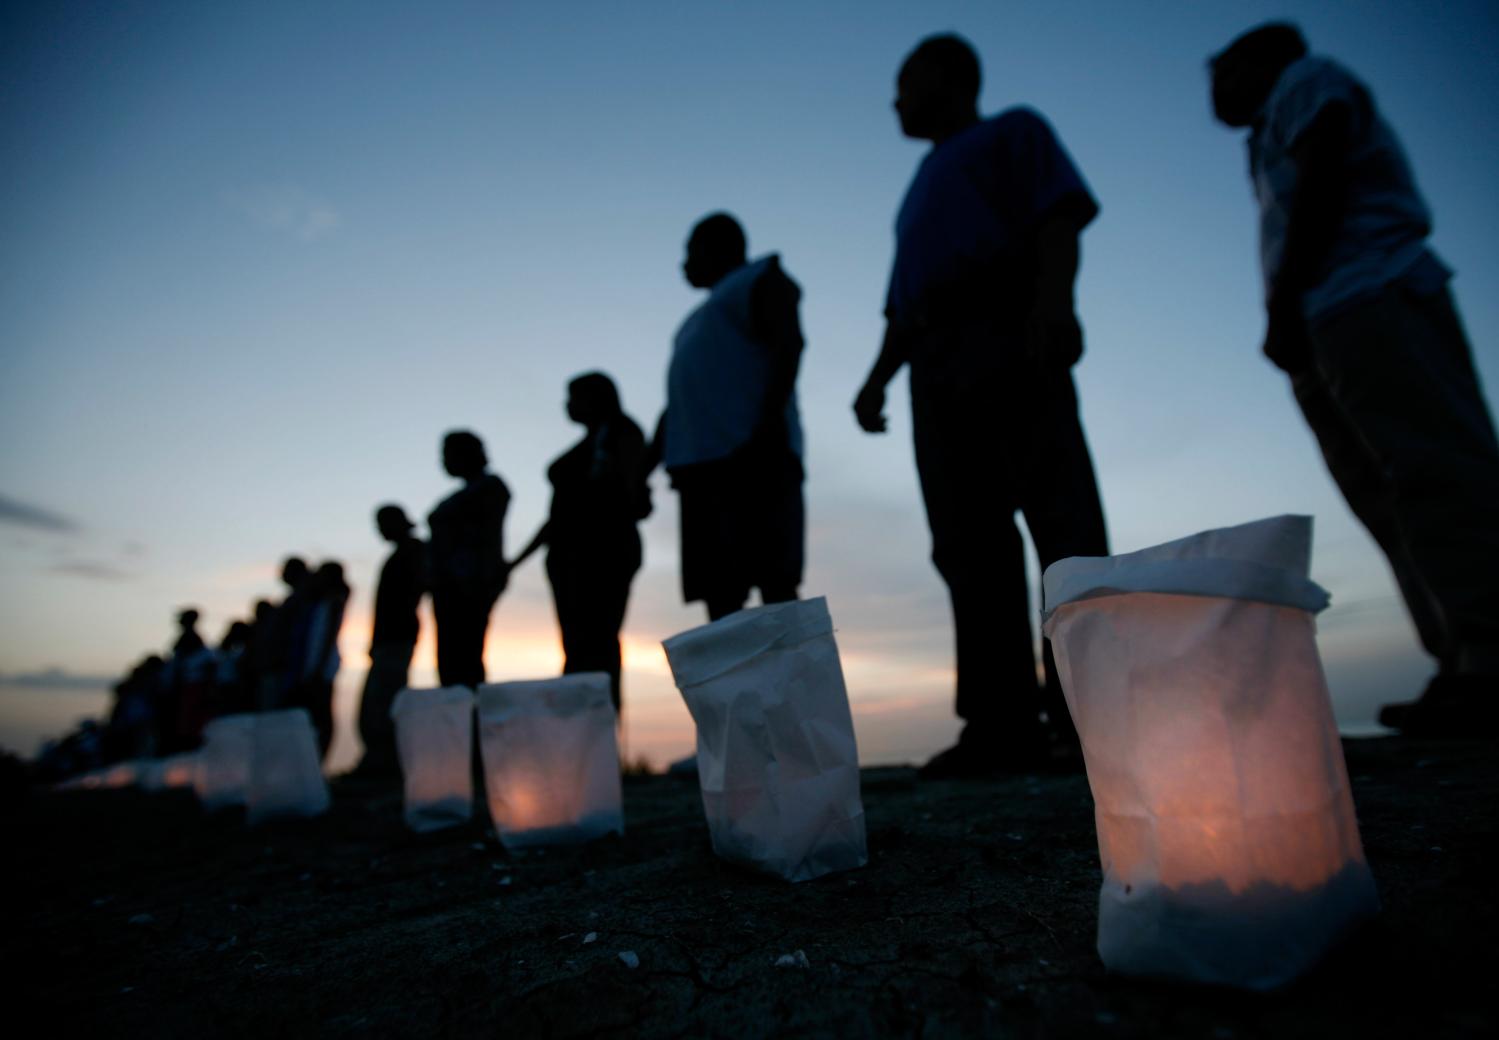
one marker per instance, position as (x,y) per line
(1451,706)
(973,758)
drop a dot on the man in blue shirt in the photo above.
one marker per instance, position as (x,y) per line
(980,306)
(1361,319)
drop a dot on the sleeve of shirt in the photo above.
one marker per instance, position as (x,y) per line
(1038,179)
(1305,91)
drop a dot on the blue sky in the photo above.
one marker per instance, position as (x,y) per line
(256,258)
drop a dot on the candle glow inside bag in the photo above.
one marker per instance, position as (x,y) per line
(551,761)
(434,737)
(1226,828)
(777,761)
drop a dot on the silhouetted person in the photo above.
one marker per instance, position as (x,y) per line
(231,671)
(189,681)
(468,561)
(1361,318)
(403,581)
(593,546)
(317,659)
(288,625)
(731,436)
(259,660)
(980,305)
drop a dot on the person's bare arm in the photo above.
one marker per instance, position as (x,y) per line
(869,405)
(543,535)
(492,565)
(777,325)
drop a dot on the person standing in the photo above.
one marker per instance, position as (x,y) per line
(731,435)
(593,545)
(398,594)
(1361,319)
(468,561)
(980,306)
(318,656)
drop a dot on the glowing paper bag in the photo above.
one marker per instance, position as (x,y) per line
(551,764)
(181,770)
(776,756)
(1230,849)
(286,773)
(435,740)
(223,775)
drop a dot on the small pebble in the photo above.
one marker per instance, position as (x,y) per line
(793,960)
(143,919)
(590,937)
(628,959)
(506,880)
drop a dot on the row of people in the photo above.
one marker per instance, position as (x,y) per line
(980,309)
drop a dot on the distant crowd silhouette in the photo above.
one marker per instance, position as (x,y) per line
(980,307)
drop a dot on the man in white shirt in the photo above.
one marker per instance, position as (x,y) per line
(731,435)
(1361,319)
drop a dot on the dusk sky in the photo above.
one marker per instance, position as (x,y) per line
(256,258)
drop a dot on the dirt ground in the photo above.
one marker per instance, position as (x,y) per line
(130,914)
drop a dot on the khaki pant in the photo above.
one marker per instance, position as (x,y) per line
(1394,401)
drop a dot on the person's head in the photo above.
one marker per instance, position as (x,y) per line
(1244,72)
(238,634)
(463,454)
(937,89)
(187,619)
(716,246)
(592,399)
(294,572)
(264,611)
(391,522)
(330,579)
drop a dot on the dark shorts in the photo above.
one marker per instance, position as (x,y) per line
(743,526)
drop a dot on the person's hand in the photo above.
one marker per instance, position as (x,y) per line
(869,409)
(1053,337)
(1286,342)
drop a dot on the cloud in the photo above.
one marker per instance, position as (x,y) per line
(285,209)
(91,569)
(23,515)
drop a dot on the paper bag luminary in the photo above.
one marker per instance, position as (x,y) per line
(1226,828)
(777,761)
(286,772)
(435,740)
(551,762)
(223,773)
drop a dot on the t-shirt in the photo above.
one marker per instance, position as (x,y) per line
(967,224)
(720,368)
(467,530)
(399,593)
(1382,236)
(597,489)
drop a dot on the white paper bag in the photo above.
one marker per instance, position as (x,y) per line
(286,773)
(551,763)
(223,774)
(776,756)
(435,740)
(1230,849)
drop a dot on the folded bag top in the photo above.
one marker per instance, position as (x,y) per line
(703,654)
(1267,561)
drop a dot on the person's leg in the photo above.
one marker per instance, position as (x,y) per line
(977,550)
(1357,472)
(1400,372)
(780,532)
(1062,508)
(390,672)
